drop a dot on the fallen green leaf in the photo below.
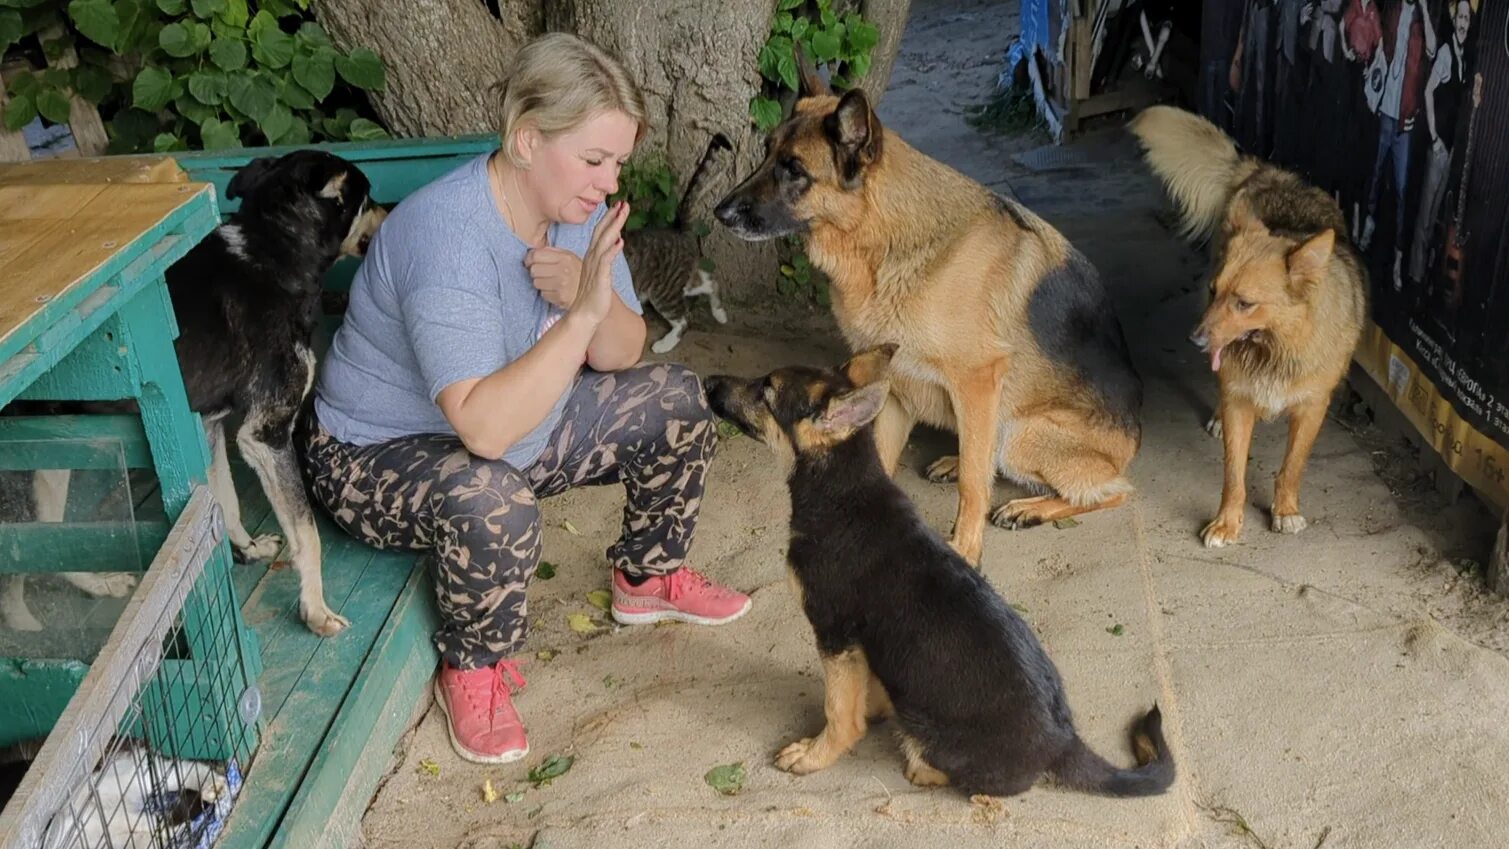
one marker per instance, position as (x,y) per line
(429,767)
(728,430)
(581,623)
(546,655)
(1019,608)
(728,780)
(610,682)
(600,599)
(552,768)
(1116,630)
(1064,524)
(636,746)
(545,571)
(514,797)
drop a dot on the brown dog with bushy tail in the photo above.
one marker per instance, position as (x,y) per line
(1288,298)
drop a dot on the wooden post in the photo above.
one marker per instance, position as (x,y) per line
(13,146)
(83,119)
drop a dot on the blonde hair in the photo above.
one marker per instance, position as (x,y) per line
(558,81)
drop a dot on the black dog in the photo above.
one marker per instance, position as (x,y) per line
(247,302)
(905,627)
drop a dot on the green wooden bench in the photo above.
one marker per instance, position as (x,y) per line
(333,709)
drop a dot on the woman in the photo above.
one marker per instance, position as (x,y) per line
(488,358)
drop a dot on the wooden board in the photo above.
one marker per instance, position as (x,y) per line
(57,235)
(108,169)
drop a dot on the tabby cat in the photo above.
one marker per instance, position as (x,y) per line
(665,262)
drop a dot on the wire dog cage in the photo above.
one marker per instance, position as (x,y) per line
(150,751)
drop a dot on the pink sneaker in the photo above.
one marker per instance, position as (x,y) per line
(478,704)
(684,595)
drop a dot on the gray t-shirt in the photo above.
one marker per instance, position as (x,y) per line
(442,295)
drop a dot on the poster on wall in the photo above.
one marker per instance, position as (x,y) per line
(1399,109)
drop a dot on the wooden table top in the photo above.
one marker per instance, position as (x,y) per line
(63,220)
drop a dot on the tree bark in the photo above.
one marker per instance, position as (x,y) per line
(442,56)
(889,17)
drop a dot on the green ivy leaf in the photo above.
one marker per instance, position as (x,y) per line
(152,89)
(216,134)
(786,5)
(192,109)
(365,130)
(316,73)
(825,46)
(362,69)
(24,83)
(800,27)
(173,7)
(252,95)
(53,104)
(21,110)
(278,121)
(176,41)
(278,8)
(295,95)
(234,15)
(138,26)
(298,133)
(311,36)
(165,142)
(206,9)
(11,28)
(766,113)
(207,87)
(96,19)
(859,65)
(863,36)
(783,22)
(92,83)
(228,54)
(272,47)
(706,264)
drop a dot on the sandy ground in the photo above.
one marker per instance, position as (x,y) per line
(1342,688)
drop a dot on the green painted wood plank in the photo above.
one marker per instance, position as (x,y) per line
(73,442)
(33,694)
(396,167)
(393,681)
(303,720)
(81,546)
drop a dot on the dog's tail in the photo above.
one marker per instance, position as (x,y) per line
(1082,769)
(1198,164)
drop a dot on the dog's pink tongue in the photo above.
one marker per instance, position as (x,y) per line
(1215,359)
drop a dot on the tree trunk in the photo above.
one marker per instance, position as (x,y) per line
(442,56)
(888,16)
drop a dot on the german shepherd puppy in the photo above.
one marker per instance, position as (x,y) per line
(905,627)
(1288,298)
(247,300)
(1007,336)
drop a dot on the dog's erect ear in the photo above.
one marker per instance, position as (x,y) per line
(251,175)
(853,410)
(1240,216)
(809,84)
(853,130)
(335,186)
(1307,263)
(866,367)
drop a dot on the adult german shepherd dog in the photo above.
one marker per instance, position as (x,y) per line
(1006,335)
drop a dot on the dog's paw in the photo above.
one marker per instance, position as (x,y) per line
(215,788)
(944,469)
(324,621)
(923,775)
(798,758)
(103,584)
(1020,513)
(1221,531)
(263,547)
(1213,426)
(1289,523)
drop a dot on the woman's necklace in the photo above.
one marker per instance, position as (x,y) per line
(496,178)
